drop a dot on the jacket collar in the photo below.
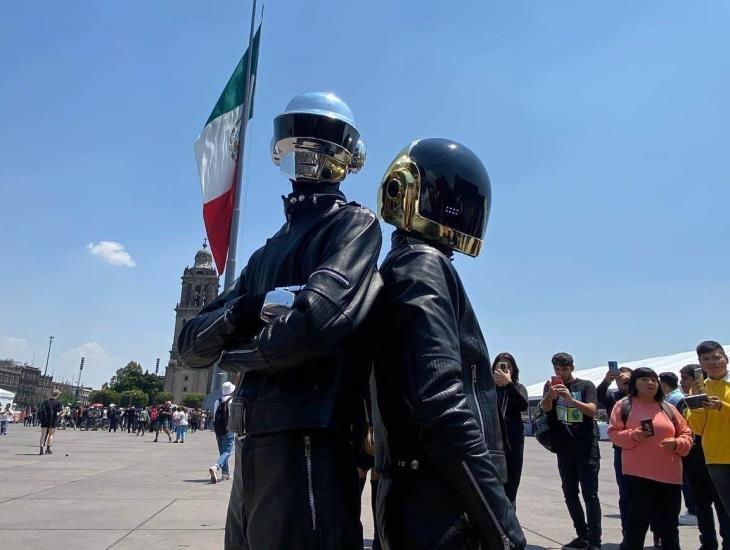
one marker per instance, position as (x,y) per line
(401,237)
(297,203)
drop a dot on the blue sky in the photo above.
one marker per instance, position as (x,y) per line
(603,127)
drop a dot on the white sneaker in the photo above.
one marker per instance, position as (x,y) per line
(688,519)
(213,471)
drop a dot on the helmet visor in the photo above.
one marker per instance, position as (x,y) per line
(306,125)
(455,203)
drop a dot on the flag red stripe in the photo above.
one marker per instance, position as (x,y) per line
(217,215)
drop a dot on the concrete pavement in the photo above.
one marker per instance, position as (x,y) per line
(103,490)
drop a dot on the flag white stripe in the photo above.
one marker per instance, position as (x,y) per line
(216,165)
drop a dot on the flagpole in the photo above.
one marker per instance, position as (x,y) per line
(233,239)
(218,376)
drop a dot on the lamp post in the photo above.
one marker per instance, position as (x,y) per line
(50,343)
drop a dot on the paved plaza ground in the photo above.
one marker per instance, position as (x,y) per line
(100,490)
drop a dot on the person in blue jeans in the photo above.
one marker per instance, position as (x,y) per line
(225,439)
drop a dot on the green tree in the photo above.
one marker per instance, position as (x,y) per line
(66,398)
(105,397)
(194,400)
(131,377)
(135,397)
(162,397)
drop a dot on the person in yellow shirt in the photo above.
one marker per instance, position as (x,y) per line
(712,420)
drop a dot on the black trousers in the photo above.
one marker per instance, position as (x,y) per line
(294,490)
(514,457)
(704,496)
(720,474)
(649,498)
(580,475)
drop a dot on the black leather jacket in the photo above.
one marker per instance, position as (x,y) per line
(436,399)
(304,369)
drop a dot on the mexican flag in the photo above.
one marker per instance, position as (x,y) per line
(216,151)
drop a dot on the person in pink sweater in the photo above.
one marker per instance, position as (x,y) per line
(653,437)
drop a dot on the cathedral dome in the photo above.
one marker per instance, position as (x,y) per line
(203,258)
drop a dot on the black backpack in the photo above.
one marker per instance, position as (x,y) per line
(220,421)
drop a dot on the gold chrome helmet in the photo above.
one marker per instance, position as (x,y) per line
(440,190)
(315,139)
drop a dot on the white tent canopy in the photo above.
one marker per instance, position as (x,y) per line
(666,363)
(6,396)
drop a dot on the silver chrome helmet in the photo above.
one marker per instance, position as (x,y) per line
(315,139)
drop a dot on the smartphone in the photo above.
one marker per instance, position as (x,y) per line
(555,380)
(613,367)
(647,426)
(695,401)
(699,375)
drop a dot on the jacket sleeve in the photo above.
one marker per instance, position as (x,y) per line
(518,400)
(684,437)
(601,393)
(423,302)
(619,434)
(203,338)
(334,301)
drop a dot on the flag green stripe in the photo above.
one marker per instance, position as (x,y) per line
(234,93)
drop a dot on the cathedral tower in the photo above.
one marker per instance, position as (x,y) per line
(200,286)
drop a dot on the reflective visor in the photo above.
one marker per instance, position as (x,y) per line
(305,125)
(455,189)
(448,204)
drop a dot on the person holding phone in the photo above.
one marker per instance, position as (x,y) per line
(607,398)
(653,437)
(512,402)
(698,487)
(712,419)
(571,406)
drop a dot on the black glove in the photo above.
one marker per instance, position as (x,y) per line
(246,314)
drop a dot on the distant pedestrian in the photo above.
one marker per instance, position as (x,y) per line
(224,438)
(154,412)
(164,414)
(113,418)
(181,424)
(6,415)
(28,420)
(49,415)
(144,418)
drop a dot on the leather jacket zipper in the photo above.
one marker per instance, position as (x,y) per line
(506,542)
(322,195)
(310,484)
(476,399)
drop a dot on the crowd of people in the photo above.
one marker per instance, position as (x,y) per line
(670,435)
(168,418)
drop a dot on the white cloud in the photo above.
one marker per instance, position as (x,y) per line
(112,253)
(99,365)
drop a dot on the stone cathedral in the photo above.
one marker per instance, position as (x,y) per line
(200,286)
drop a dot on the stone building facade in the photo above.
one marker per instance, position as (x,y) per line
(28,384)
(82,397)
(200,286)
